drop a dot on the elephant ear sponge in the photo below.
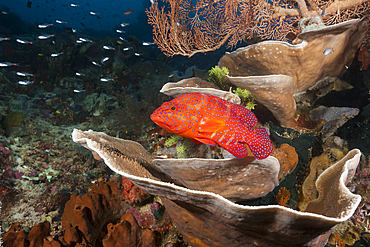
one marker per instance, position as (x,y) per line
(13,119)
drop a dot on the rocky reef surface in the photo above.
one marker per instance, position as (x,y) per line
(54,192)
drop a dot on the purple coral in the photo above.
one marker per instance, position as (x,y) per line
(145,219)
(18,175)
(4,150)
(155,206)
(5,155)
(8,173)
(152,219)
(34,174)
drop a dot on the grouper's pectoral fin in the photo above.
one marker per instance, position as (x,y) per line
(211,125)
(200,140)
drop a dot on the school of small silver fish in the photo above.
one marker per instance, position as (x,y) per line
(80,40)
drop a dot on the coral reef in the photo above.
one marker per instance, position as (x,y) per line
(364,57)
(233,179)
(94,219)
(47,179)
(153,219)
(16,236)
(334,117)
(13,119)
(131,193)
(277,73)
(194,209)
(39,171)
(101,206)
(283,196)
(352,230)
(197,85)
(48,174)
(127,233)
(317,166)
(200,29)
(288,159)
(182,145)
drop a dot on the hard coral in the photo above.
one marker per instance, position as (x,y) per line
(317,166)
(13,119)
(197,85)
(236,225)
(279,74)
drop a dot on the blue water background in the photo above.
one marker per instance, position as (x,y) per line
(111,15)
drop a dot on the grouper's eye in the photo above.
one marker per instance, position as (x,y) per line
(173,108)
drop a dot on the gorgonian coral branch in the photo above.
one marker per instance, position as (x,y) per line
(183,28)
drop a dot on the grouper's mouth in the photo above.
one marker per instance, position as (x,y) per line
(159,122)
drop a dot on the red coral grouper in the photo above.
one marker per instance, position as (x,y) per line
(211,120)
